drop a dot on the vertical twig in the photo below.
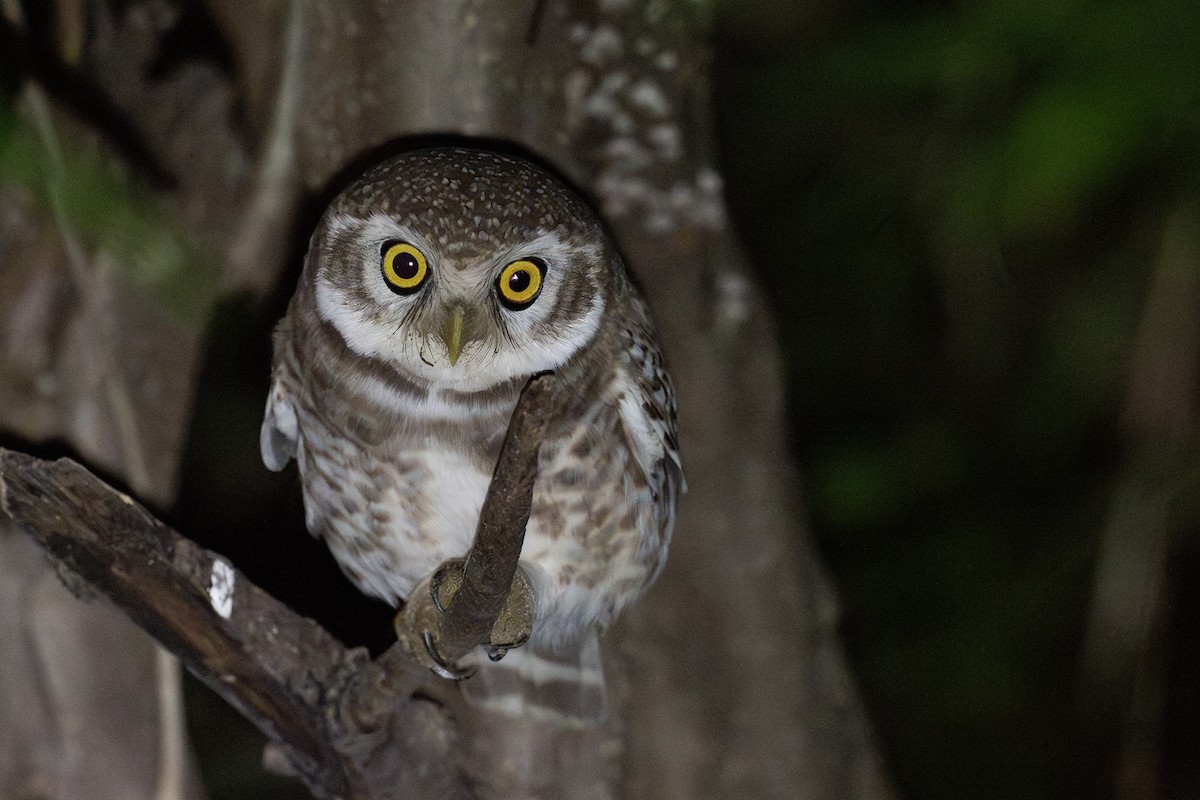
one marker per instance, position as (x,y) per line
(491,562)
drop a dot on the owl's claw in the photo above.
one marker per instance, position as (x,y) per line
(439,666)
(422,616)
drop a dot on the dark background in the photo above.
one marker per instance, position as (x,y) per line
(978,225)
(979,228)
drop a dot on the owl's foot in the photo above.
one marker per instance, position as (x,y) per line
(419,624)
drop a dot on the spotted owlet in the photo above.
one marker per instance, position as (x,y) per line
(434,287)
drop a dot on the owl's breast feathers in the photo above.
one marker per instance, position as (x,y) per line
(394,473)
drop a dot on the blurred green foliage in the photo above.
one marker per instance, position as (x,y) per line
(956,208)
(109,210)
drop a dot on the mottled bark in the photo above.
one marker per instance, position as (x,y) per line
(729,678)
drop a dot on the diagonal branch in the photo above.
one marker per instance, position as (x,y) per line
(349,726)
(255,652)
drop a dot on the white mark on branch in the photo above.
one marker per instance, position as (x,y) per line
(220,589)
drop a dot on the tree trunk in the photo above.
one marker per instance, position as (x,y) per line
(729,677)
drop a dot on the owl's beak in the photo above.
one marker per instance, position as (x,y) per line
(452,334)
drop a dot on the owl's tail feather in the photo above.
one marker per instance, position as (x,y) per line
(561,687)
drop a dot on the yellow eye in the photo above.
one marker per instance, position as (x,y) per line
(404,267)
(520,282)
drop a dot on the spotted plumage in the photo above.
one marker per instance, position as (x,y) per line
(434,287)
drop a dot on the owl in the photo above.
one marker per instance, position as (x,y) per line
(434,287)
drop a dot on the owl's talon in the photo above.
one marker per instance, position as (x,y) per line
(439,666)
(422,617)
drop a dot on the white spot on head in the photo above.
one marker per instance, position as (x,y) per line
(220,588)
(666,60)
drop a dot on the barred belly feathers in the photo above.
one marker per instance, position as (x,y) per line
(434,287)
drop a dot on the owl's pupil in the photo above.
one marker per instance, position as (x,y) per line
(519,281)
(406,267)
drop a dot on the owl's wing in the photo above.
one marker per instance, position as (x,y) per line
(646,399)
(277,438)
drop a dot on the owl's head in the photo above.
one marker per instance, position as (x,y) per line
(461,267)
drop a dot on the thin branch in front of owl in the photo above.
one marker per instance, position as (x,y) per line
(482,599)
(491,563)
